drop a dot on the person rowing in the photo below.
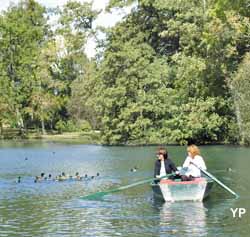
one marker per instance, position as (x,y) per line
(163,165)
(190,166)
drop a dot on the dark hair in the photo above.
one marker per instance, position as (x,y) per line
(163,151)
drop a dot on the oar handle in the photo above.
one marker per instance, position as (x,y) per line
(141,182)
(216,180)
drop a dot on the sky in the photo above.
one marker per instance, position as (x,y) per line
(104,19)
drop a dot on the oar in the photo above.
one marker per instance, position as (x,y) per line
(99,195)
(216,180)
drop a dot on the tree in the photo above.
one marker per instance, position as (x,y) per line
(82,103)
(240,85)
(132,92)
(160,48)
(75,26)
(74,68)
(23,33)
(44,101)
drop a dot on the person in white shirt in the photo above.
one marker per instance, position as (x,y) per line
(193,159)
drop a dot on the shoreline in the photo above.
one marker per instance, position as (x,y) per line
(93,138)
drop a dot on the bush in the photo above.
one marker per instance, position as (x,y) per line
(71,126)
(85,126)
(66,126)
(60,126)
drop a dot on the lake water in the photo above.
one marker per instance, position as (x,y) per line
(54,208)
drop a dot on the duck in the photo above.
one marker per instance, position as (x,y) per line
(49,177)
(77,176)
(134,169)
(62,177)
(18,179)
(37,179)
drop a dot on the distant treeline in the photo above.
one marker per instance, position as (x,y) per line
(172,71)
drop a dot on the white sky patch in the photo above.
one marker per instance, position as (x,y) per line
(104,19)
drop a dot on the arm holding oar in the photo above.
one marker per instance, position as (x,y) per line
(216,180)
(99,195)
(190,171)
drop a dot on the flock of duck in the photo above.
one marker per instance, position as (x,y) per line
(61,177)
(64,177)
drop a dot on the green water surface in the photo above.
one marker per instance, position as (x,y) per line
(54,208)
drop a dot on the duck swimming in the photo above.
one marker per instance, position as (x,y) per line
(134,169)
(18,179)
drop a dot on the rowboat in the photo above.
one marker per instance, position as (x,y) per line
(177,190)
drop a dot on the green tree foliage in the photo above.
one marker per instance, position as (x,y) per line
(169,72)
(38,66)
(240,85)
(132,94)
(82,103)
(75,26)
(44,100)
(23,30)
(74,68)
(6,109)
(171,49)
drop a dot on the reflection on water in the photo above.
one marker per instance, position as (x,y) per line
(191,216)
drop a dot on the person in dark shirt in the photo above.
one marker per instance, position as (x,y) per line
(163,165)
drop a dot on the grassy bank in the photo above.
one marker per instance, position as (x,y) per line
(83,137)
(91,137)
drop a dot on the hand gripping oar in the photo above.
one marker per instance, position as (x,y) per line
(99,195)
(216,180)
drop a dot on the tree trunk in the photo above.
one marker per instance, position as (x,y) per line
(43,127)
(51,124)
(20,121)
(1,128)
(238,115)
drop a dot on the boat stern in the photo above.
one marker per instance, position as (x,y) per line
(177,190)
